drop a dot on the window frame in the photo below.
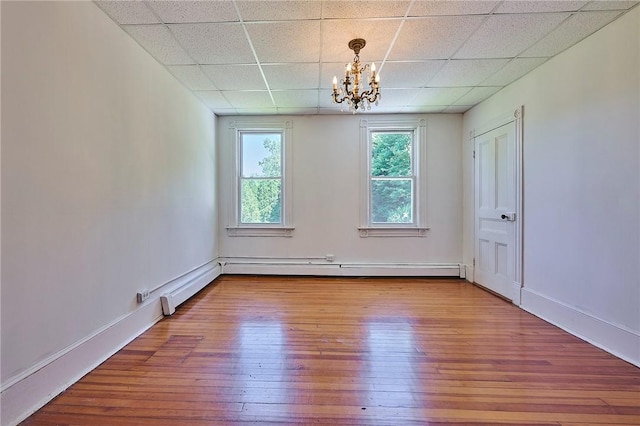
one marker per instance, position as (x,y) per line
(284,228)
(242,178)
(417,228)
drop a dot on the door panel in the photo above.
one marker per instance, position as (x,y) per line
(495,209)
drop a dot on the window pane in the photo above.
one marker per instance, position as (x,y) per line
(261,154)
(391,201)
(261,201)
(391,154)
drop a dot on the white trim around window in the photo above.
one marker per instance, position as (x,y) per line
(417,227)
(284,228)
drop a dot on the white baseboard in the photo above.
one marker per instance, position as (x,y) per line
(615,339)
(516,293)
(27,394)
(284,267)
(24,394)
(469,272)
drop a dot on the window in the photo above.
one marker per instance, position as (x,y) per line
(392,180)
(260,177)
(393,201)
(262,190)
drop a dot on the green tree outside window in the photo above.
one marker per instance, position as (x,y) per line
(391,177)
(261,178)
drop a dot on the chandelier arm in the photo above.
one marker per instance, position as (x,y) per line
(368,93)
(371,96)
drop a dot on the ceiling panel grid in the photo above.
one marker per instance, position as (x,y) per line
(279,57)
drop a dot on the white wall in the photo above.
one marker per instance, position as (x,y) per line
(326,198)
(108,186)
(581,186)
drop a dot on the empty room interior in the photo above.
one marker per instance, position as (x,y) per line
(319,211)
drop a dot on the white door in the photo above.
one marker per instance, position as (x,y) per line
(495,207)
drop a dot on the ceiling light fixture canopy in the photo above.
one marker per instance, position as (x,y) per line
(352,83)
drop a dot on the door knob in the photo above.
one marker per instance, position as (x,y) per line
(504,216)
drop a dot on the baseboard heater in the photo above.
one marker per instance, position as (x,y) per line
(319,268)
(188,286)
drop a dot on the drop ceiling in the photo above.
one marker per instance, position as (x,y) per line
(279,57)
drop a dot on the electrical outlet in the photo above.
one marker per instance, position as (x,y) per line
(142,295)
(329,258)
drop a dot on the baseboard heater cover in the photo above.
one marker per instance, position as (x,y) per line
(172,299)
(168,304)
(284,267)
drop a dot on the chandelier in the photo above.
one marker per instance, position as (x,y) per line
(352,83)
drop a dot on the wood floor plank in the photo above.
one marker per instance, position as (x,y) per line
(351,351)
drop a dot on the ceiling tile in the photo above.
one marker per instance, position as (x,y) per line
(466,72)
(328,70)
(158,41)
(438,96)
(279,10)
(194,11)
(249,99)
(515,69)
(214,99)
(439,37)
(610,5)
(294,41)
(457,109)
(386,110)
(505,36)
(326,101)
(425,109)
(570,32)
(292,76)
(257,111)
(337,34)
(298,111)
(295,98)
(364,9)
(235,77)
(434,8)
(191,76)
(214,43)
(395,97)
(539,6)
(477,95)
(128,12)
(399,75)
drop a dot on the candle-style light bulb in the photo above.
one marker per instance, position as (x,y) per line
(347,69)
(335,82)
(377,78)
(373,68)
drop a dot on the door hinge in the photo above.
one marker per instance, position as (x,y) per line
(474,262)
(474,153)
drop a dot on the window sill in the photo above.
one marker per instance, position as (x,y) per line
(392,231)
(260,231)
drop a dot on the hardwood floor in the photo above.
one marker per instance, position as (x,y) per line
(351,351)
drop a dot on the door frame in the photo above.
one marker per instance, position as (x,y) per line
(516,118)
